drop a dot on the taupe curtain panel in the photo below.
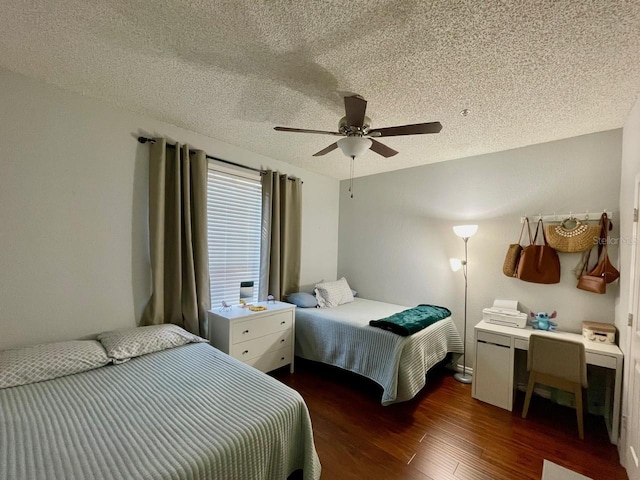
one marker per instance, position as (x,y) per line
(178,237)
(281,235)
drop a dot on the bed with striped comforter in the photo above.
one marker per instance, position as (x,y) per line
(342,337)
(187,413)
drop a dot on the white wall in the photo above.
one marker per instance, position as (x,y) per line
(395,235)
(73,212)
(630,170)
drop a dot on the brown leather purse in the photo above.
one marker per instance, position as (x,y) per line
(596,279)
(510,266)
(592,283)
(604,266)
(539,263)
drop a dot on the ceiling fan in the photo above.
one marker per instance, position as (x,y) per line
(356,129)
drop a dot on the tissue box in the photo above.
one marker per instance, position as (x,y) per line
(599,332)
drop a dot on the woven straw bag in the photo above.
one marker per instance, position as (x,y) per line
(580,238)
(510,266)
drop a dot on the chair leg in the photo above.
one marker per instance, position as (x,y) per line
(578,394)
(527,398)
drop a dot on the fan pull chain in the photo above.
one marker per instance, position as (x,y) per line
(351,176)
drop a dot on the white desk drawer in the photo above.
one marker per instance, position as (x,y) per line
(259,346)
(272,360)
(258,327)
(521,344)
(494,338)
(601,360)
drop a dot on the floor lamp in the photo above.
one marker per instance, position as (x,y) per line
(465,232)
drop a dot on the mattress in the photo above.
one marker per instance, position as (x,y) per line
(187,413)
(342,337)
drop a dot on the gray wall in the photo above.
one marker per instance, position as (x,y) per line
(73,212)
(395,236)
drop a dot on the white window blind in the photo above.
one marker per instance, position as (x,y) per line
(234,210)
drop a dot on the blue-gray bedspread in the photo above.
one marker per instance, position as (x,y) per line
(188,413)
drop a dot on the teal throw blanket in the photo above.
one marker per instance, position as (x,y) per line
(413,320)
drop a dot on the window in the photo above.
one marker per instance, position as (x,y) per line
(234,212)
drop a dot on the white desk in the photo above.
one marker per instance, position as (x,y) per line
(493,374)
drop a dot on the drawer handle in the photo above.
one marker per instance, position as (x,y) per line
(283,340)
(245,352)
(246,331)
(282,358)
(282,322)
(494,344)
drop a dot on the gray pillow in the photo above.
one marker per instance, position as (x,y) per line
(37,363)
(121,345)
(302,300)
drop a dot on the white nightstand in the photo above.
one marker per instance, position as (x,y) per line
(263,339)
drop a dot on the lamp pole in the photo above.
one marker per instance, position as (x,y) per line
(464,377)
(465,232)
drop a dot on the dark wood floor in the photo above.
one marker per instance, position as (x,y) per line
(442,434)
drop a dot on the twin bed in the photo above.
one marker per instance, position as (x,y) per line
(342,337)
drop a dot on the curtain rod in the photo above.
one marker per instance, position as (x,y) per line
(228,162)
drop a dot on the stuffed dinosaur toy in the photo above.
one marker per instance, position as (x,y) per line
(542,321)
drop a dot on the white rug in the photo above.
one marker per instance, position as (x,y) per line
(551,471)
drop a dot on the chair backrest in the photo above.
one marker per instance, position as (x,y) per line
(558,357)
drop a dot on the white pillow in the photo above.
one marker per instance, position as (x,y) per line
(36,363)
(121,345)
(332,294)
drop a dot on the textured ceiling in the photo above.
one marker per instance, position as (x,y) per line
(529,71)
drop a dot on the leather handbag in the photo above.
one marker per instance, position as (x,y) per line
(539,263)
(510,266)
(591,283)
(604,266)
(596,279)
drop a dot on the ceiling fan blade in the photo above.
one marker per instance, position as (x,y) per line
(355,107)
(302,130)
(324,151)
(415,129)
(381,149)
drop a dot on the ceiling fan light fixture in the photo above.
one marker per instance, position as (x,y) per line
(354,146)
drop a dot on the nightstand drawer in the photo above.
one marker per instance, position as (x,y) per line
(259,346)
(272,360)
(258,327)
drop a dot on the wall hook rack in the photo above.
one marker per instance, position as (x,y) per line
(559,217)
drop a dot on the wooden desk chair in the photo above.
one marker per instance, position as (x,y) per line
(558,363)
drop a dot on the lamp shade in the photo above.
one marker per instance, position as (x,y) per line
(456,264)
(465,231)
(354,146)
